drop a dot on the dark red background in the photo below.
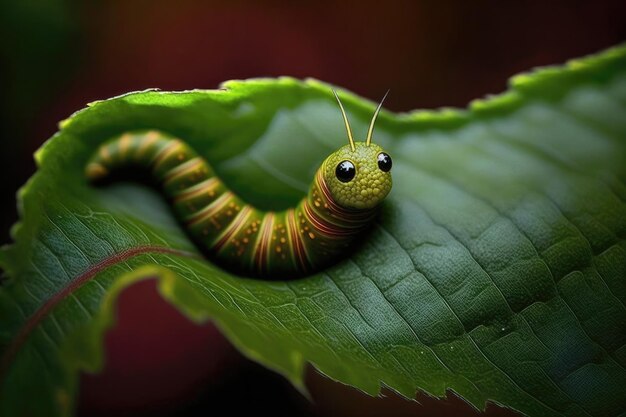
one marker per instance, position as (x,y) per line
(59,55)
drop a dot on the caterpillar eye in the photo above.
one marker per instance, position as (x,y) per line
(345,171)
(384,162)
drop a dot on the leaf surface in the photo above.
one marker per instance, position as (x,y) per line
(496,268)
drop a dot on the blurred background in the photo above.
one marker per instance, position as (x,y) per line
(58,55)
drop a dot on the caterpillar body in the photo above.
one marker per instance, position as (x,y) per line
(341,203)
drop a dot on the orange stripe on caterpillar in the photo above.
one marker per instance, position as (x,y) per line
(298,246)
(233,228)
(211,209)
(206,186)
(182,169)
(164,153)
(147,141)
(260,253)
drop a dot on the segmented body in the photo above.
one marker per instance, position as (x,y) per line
(293,242)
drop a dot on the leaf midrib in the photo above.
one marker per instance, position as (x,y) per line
(74,284)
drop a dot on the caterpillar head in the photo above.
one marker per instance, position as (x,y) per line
(358,175)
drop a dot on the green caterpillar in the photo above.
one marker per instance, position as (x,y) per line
(341,203)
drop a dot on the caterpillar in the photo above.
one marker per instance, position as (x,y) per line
(342,201)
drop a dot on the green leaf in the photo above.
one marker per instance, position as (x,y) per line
(496,269)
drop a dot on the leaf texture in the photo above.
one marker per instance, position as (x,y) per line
(496,269)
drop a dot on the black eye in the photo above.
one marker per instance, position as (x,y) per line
(345,171)
(384,162)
